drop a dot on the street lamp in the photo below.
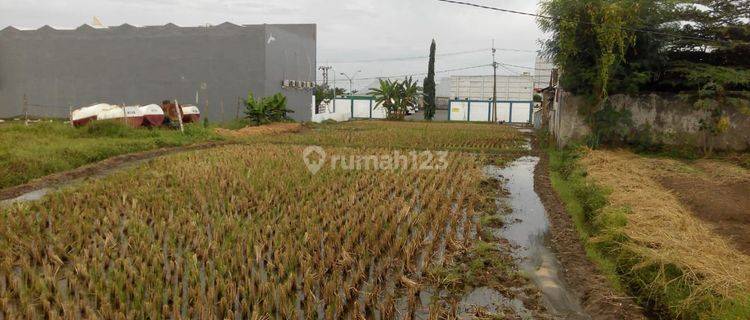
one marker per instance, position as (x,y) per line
(351,80)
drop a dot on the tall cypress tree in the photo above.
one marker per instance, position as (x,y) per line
(429,86)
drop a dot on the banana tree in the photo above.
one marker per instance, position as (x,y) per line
(266,110)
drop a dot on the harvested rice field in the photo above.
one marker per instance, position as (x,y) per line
(459,137)
(248,232)
(685,227)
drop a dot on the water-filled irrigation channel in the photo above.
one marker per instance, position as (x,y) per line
(527,227)
(39,193)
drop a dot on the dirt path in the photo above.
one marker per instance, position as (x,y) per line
(725,206)
(98,168)
(597,296)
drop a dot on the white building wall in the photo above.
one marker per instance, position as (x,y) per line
(515,88)
(542,73)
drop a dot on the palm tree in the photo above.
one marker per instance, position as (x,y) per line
(388,96)
(396,97)
(411,93)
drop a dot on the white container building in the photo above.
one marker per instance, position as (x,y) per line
(509,88)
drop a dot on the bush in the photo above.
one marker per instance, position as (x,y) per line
(566,164)
(591,198)
(107,129)
(267,110)
(609,126)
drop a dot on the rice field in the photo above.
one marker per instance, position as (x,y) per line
(247,232)
(459,137)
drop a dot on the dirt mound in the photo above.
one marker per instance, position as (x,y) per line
(261,130)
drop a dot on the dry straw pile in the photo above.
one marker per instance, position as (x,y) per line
(275,128)
(662,229)
(236,232)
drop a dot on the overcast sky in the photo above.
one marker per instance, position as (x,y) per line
(348,31)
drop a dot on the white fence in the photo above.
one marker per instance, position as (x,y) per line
(481,111)
(345,109)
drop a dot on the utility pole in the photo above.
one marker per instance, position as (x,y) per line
(239,102)
(334,90)
(25,110)
(325,70)
(222,110)
(494,83)
(351,80)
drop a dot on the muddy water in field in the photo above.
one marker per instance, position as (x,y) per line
(38,194)
(527,228)
(29,196)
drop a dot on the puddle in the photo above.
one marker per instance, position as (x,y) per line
(38,194)
(491,301)
(527,228)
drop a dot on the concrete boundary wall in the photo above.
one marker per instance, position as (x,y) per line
(667,118)
(56,69)
(350,108)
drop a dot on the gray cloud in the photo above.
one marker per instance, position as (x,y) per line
(350,30)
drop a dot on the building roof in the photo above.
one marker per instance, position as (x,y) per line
(87,26)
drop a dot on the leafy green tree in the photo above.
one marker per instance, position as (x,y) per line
(658,45)
(713,47)
(267,110)
(429,86)
(698,48)
(589,38)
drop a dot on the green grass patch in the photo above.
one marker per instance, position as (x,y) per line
(483,264)
(660,289)
(29,152)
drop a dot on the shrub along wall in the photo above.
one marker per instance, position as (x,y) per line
(654,119)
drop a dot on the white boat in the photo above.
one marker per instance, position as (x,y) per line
(131,115)
(83,116)
(190,114)
(153,115)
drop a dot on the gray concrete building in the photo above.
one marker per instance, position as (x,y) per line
(55,69)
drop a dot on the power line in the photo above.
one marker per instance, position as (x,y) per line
(495,9)
(656,32)
(516,66)
(424,73)
(426,57)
